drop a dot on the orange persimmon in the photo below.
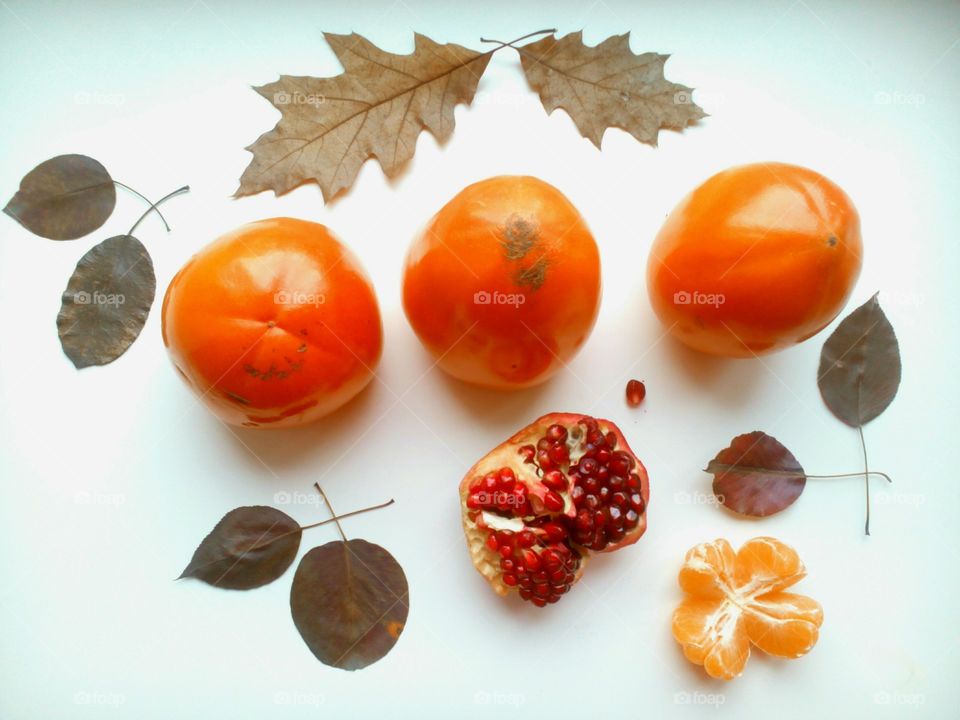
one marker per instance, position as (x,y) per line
(273,324)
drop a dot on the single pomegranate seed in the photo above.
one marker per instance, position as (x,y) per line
(554,532)
(636,392)
(554,480)
(557,433)
(509,579)
(552,501)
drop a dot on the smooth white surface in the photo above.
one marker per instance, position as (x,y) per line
(111,476)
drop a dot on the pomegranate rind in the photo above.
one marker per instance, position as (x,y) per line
(485,560)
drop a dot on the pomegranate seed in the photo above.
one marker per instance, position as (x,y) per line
(492,543)
(507,475)
(556,433)
(559,453)
(588,466)
(552,501)
(531,561)
(526,539)
(554,480)
(554,532)
(527,452)
(506,551)
(509,579)
(636,392)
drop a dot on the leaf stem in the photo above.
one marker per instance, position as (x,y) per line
(153,206)
(146,200)
(337,518)
(866,478)
(330,508)
(852,474)
(502,44)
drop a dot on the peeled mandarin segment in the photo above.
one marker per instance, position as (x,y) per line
(783,624)
(708,569)
(765,564)
(712,634)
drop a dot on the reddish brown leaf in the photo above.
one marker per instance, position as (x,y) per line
(756,475)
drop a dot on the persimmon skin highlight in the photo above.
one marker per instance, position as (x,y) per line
(756,259)
(274,324)
(503,285)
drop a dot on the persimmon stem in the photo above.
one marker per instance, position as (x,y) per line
(866,478)
(338,518)
(146,200)
(851,474)
(330,508)
(502,44)
(153,206)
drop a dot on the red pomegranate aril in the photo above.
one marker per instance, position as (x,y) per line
(554,532)
(554,480)
(531,561)
(510,579)
(636,392)
(556,433)
(559,454)
(492,543)
(526,539)
(527,452)
(552,501)
(588,466)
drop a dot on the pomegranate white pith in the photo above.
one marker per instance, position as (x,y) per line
(539,503)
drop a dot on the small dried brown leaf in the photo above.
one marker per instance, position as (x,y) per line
(250,547)
(860,368)
(349,601)
(376,108)
(756,475)
(64,198)
(106,301)
(607,86)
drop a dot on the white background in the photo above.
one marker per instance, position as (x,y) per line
(111,476)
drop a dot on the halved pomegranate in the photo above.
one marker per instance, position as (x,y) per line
(536,505)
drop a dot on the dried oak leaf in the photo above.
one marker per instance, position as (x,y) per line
(376,108)
(607,86)
(756,475)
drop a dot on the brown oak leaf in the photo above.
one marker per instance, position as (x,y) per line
(376,108)
(607,86)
